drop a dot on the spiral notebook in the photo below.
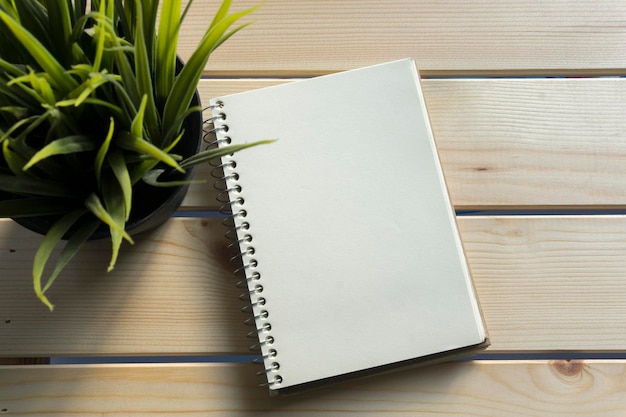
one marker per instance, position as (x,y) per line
(348,240)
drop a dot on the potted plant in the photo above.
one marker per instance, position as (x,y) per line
(97,117)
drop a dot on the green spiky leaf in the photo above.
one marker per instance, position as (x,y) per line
(180,95)
(206,156)
(152,178)
(167,39)
(132,143)
(71,249)
(40,53)
(116,207)
(50,241)
(120,170)
(64,146)
(94,205)
(102,152)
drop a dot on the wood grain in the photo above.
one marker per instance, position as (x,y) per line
(531,142)
(173,292)
(550,283)
(545,284)
(493,388)
(512,143)
(497,37)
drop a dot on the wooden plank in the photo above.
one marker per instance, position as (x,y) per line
(545,284)
(550,283)
(492,388)
(173,292)
(531,142)
(497,37)
(513,143)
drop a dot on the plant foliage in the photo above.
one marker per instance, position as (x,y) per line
(91,104)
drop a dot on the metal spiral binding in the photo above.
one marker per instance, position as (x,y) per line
(246,268)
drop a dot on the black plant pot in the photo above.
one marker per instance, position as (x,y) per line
(151,206)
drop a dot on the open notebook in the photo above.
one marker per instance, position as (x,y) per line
(348,238)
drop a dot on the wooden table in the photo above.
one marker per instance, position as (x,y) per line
(529,119)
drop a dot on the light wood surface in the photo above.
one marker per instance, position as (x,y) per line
(173,292)
(493,388)
(545,284)
(307,37)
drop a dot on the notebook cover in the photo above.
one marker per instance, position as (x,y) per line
(355,246)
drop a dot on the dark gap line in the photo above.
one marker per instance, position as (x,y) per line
(86,360)
(153,359)
(542,212)
(519,77)
(213,214)
(548,356)
(427,74)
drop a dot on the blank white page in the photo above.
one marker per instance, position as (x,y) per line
(354,236)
